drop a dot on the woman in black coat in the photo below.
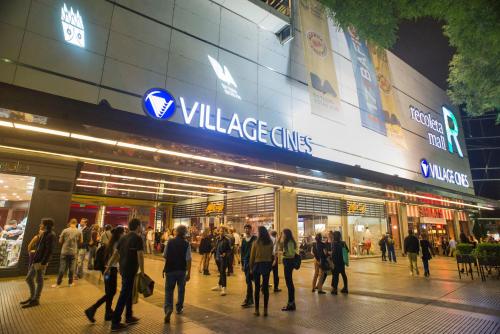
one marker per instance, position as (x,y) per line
(426,253)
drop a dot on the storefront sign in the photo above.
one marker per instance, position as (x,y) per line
(160,104)
(437,130)
(227,82)
(214,207)
(355,208)
(448,175)
(72,25)
(16,167)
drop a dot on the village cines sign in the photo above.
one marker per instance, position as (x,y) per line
(159,104)
(448,175)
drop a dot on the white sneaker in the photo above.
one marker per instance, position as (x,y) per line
(71,285)
(223,291)
(55,285)
(216,288)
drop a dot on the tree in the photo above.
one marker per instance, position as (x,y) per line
(473,29)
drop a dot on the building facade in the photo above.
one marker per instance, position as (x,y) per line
(219,112)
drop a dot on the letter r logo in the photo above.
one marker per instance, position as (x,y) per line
(451,133)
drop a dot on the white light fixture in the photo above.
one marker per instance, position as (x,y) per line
(94,139)
(6,124)
(41,130)
(137,147)
(138,191)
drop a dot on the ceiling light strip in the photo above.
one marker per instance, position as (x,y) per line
(279,172)
(144,186)
(138,191)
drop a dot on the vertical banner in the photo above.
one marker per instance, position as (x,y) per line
(370,104)
(322,79)
(387,96)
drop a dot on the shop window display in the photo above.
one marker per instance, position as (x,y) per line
(364,235)
(15,197)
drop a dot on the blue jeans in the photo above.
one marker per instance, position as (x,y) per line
(33,274)
(288,265)
(248,281)
(262,269)
(67,263)
(124,300)
(173,278)
(426,265)
(392,254)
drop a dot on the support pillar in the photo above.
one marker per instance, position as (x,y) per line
(345,230)
(285,212)
(100,215)
(403,222)
(456,225)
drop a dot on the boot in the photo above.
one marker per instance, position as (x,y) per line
(265,311)
(289,307)
(344,290)
(90,313)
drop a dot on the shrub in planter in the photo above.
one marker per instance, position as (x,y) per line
(488,249)
(463,249)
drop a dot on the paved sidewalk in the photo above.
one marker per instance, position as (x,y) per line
(383,299)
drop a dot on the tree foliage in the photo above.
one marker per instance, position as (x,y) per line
(473,28)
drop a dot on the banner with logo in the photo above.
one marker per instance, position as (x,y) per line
(370,104)
(322,79)
(387,96)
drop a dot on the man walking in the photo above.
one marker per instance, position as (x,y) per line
(84,246)
(69,239)
(222,251)
(40,259)
(453,247)
(130,252)
(246,247)
(276,279)
(177,256)
(411,248)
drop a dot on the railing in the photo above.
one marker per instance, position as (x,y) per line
(282,6)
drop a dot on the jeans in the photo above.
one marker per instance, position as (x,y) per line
(276,278)
(35,291)
(82,253)
(67,263)
(124,300)
(412,258)
(426,266)
(230,262)
(173,278)
(384,257)
(248,281)
(92,250)
(222,266)
(336,271)
(392,254)
(288,265)
(110,289)
(262,269)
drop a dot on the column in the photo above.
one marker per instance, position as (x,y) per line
(99,219)
(345,229)
(285,212)
(456,225)
(403,222)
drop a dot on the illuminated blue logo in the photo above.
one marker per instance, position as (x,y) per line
(425,168)
(158,104)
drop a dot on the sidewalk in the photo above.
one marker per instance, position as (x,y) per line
(383,299)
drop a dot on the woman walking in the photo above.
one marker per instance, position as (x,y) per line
(338,247)
(261,264)
(110,280)
(205,252)
(426,253)
(321,264)
(289,251)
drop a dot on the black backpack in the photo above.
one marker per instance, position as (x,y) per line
(100,259)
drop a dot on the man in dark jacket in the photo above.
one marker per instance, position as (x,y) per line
(411,248)
(41,258)
(177,256)
(246,247)
(222,250)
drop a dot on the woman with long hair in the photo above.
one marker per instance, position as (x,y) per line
(426,253)
(205,252)
(110,280)
(289,251)
(261,264)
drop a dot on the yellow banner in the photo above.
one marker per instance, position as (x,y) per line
(322,79)
(389,105)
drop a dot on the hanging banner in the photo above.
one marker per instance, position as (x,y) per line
(370,104)
(322,79)
(387,96)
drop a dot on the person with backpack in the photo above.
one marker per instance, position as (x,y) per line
(289,253)
(261,262)
(103,255)
(340,259)
(69,239)
(222,251)
(245,250)
(426,253)
(177,269)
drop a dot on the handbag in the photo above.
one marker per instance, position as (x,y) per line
(297,261)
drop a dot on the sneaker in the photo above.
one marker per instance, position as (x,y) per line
(179,311)
(223,291)
(167,317)
(321,292)
(344,290)
(118,327)
(55,286)
(32,303)
(90,313)
(24,302)
(71,285)
(277,290)
(216,288)
(108,316)
(334,291)
(132,320)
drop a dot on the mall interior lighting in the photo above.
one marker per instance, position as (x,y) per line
(137,191)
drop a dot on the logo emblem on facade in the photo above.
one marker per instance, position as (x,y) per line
(72,24)
(158,104)
(317,43)
(227,82)
(425,168)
